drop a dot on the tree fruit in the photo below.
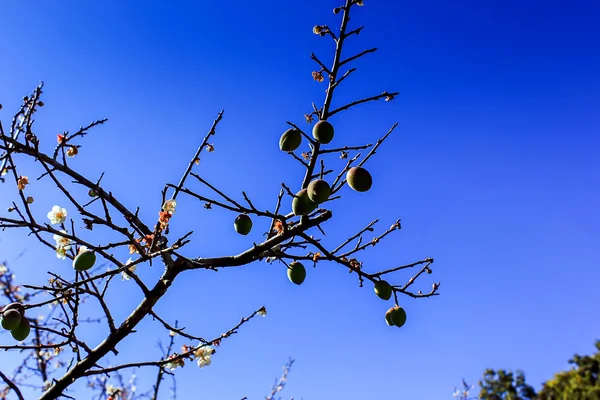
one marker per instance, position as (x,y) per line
(290,140)
(395,316)
(359,179)
(21,332)
(388,317)
(296,273)
(302,205)
(92,193)
(11,319)
(243,224)
(318,191)
(323,132)
(84,260)
(14,306)
(383,290)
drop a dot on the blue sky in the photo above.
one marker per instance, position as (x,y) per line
(493,170)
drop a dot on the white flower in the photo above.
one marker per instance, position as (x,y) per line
(58,215)
(169,206)
(62,245)
(124,275)
(3,269)
(175,363)
(111,389)
(61,253)
(203,354)
(62,241)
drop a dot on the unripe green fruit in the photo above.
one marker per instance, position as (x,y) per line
(243,224)
(92,193)
(396,315)
(11,319)
(323,132)
(21,332)
(84,260)
(388,317)
(290,140)
(359,179)
(318,191)
(302,205)
(14,306)
(296,273)
(383,290)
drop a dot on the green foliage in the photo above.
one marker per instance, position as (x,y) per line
(580,383)
(504,385)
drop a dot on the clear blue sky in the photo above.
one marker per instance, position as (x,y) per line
(494,171)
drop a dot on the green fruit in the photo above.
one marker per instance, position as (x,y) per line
(243,224)
(318,191)
(296,273)
(14,306)
(359,179)
(398,316)
(11,319)
(323,132)
(92,193)
(84,260)
(383,290)
(290,140)
(302,205)
(21,332)
(388,317)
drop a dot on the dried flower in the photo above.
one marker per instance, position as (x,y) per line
(57,215)
(318,29)
(318,76)
(60,138)
(262,312)
(278,226)
(22,182)
(210,147)
(72,151)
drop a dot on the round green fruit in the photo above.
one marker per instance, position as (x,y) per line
(84,260)
(318,191)
(21,332)
(323,132)
(296,273)
(14,306)
(290,140)
(383,290)
(92,193)
(388,317)
(11,319)
(243,224)
(302,205)
(359,179)
(398,316)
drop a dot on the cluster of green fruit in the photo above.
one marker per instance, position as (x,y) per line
(318,191)
(84,260)
(395,316)
(13,320)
